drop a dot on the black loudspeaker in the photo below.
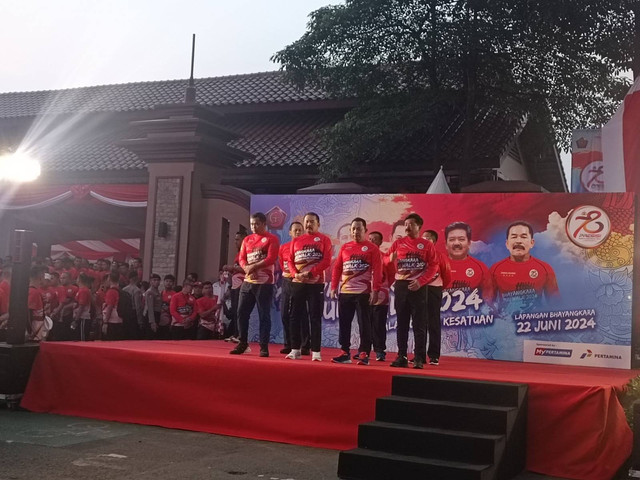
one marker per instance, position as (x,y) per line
(18,310)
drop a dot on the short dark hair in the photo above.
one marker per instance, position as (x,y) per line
(154,275)
(193,275)
(416,217)
(169,277)
(377,234)
(295,223)
(204,284)
(458,226)
(312,214)
(242,233)
(261,217)
(361,220)
(520,222)
(85,279)
(36,271)
(433,233)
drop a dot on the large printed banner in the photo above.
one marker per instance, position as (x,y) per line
(568,302)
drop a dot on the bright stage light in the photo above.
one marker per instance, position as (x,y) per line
(19,167)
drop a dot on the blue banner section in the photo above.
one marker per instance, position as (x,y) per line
(528,270)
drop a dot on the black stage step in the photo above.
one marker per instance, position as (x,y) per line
(473,417)
(442,429)
(361,463)
(431,442)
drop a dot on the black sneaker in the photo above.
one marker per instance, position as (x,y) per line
(240,349)
(264,352)
(344,358)
(418,363)
(356,356)
(381,356)
(285,350)
(305,351)
(363,359)
(400,362)
(434,361)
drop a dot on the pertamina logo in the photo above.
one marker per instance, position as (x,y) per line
(588,226)
(603,356)
(470,272)
(533,273)
(553,352)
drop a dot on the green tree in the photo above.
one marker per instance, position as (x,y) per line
(415,64)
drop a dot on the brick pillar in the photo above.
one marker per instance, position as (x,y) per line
(183,147)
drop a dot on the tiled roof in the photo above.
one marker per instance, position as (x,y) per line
(282,140)
(249,89)
(87,157)
(275,140)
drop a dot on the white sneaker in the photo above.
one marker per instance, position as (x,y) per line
(294,355)
(316,357)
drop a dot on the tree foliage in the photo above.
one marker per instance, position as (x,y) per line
(414,63)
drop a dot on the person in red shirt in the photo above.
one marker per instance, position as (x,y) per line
(36,330)
(380,309)
(49,293)
(416,267)
(258,255)
(467,273)
(522,276)
(82,312)
(164,325)
(434,300)
(208,307)
(112,326)
(237,277)
(310,257)
(358,271)
(295,230)
(62,316)
(183,311)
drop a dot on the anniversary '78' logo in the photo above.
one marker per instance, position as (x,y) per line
(588,226)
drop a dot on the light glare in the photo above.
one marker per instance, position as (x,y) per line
(19,167)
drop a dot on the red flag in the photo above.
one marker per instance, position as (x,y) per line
(621,145)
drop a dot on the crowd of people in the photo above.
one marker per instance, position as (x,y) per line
(71,299)
(360,280)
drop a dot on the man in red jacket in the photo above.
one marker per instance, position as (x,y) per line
(310,257)
(358,271)
(380,309)
(295,230)
(258,255)
(434,301)
(416,267)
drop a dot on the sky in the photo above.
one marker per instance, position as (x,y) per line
(50,45)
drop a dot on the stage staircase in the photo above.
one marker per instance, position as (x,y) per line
(442,429)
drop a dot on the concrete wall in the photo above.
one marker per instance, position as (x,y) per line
(214,210)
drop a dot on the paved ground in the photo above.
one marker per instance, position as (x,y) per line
(52,447)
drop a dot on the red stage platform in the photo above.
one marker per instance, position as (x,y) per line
(576,427)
